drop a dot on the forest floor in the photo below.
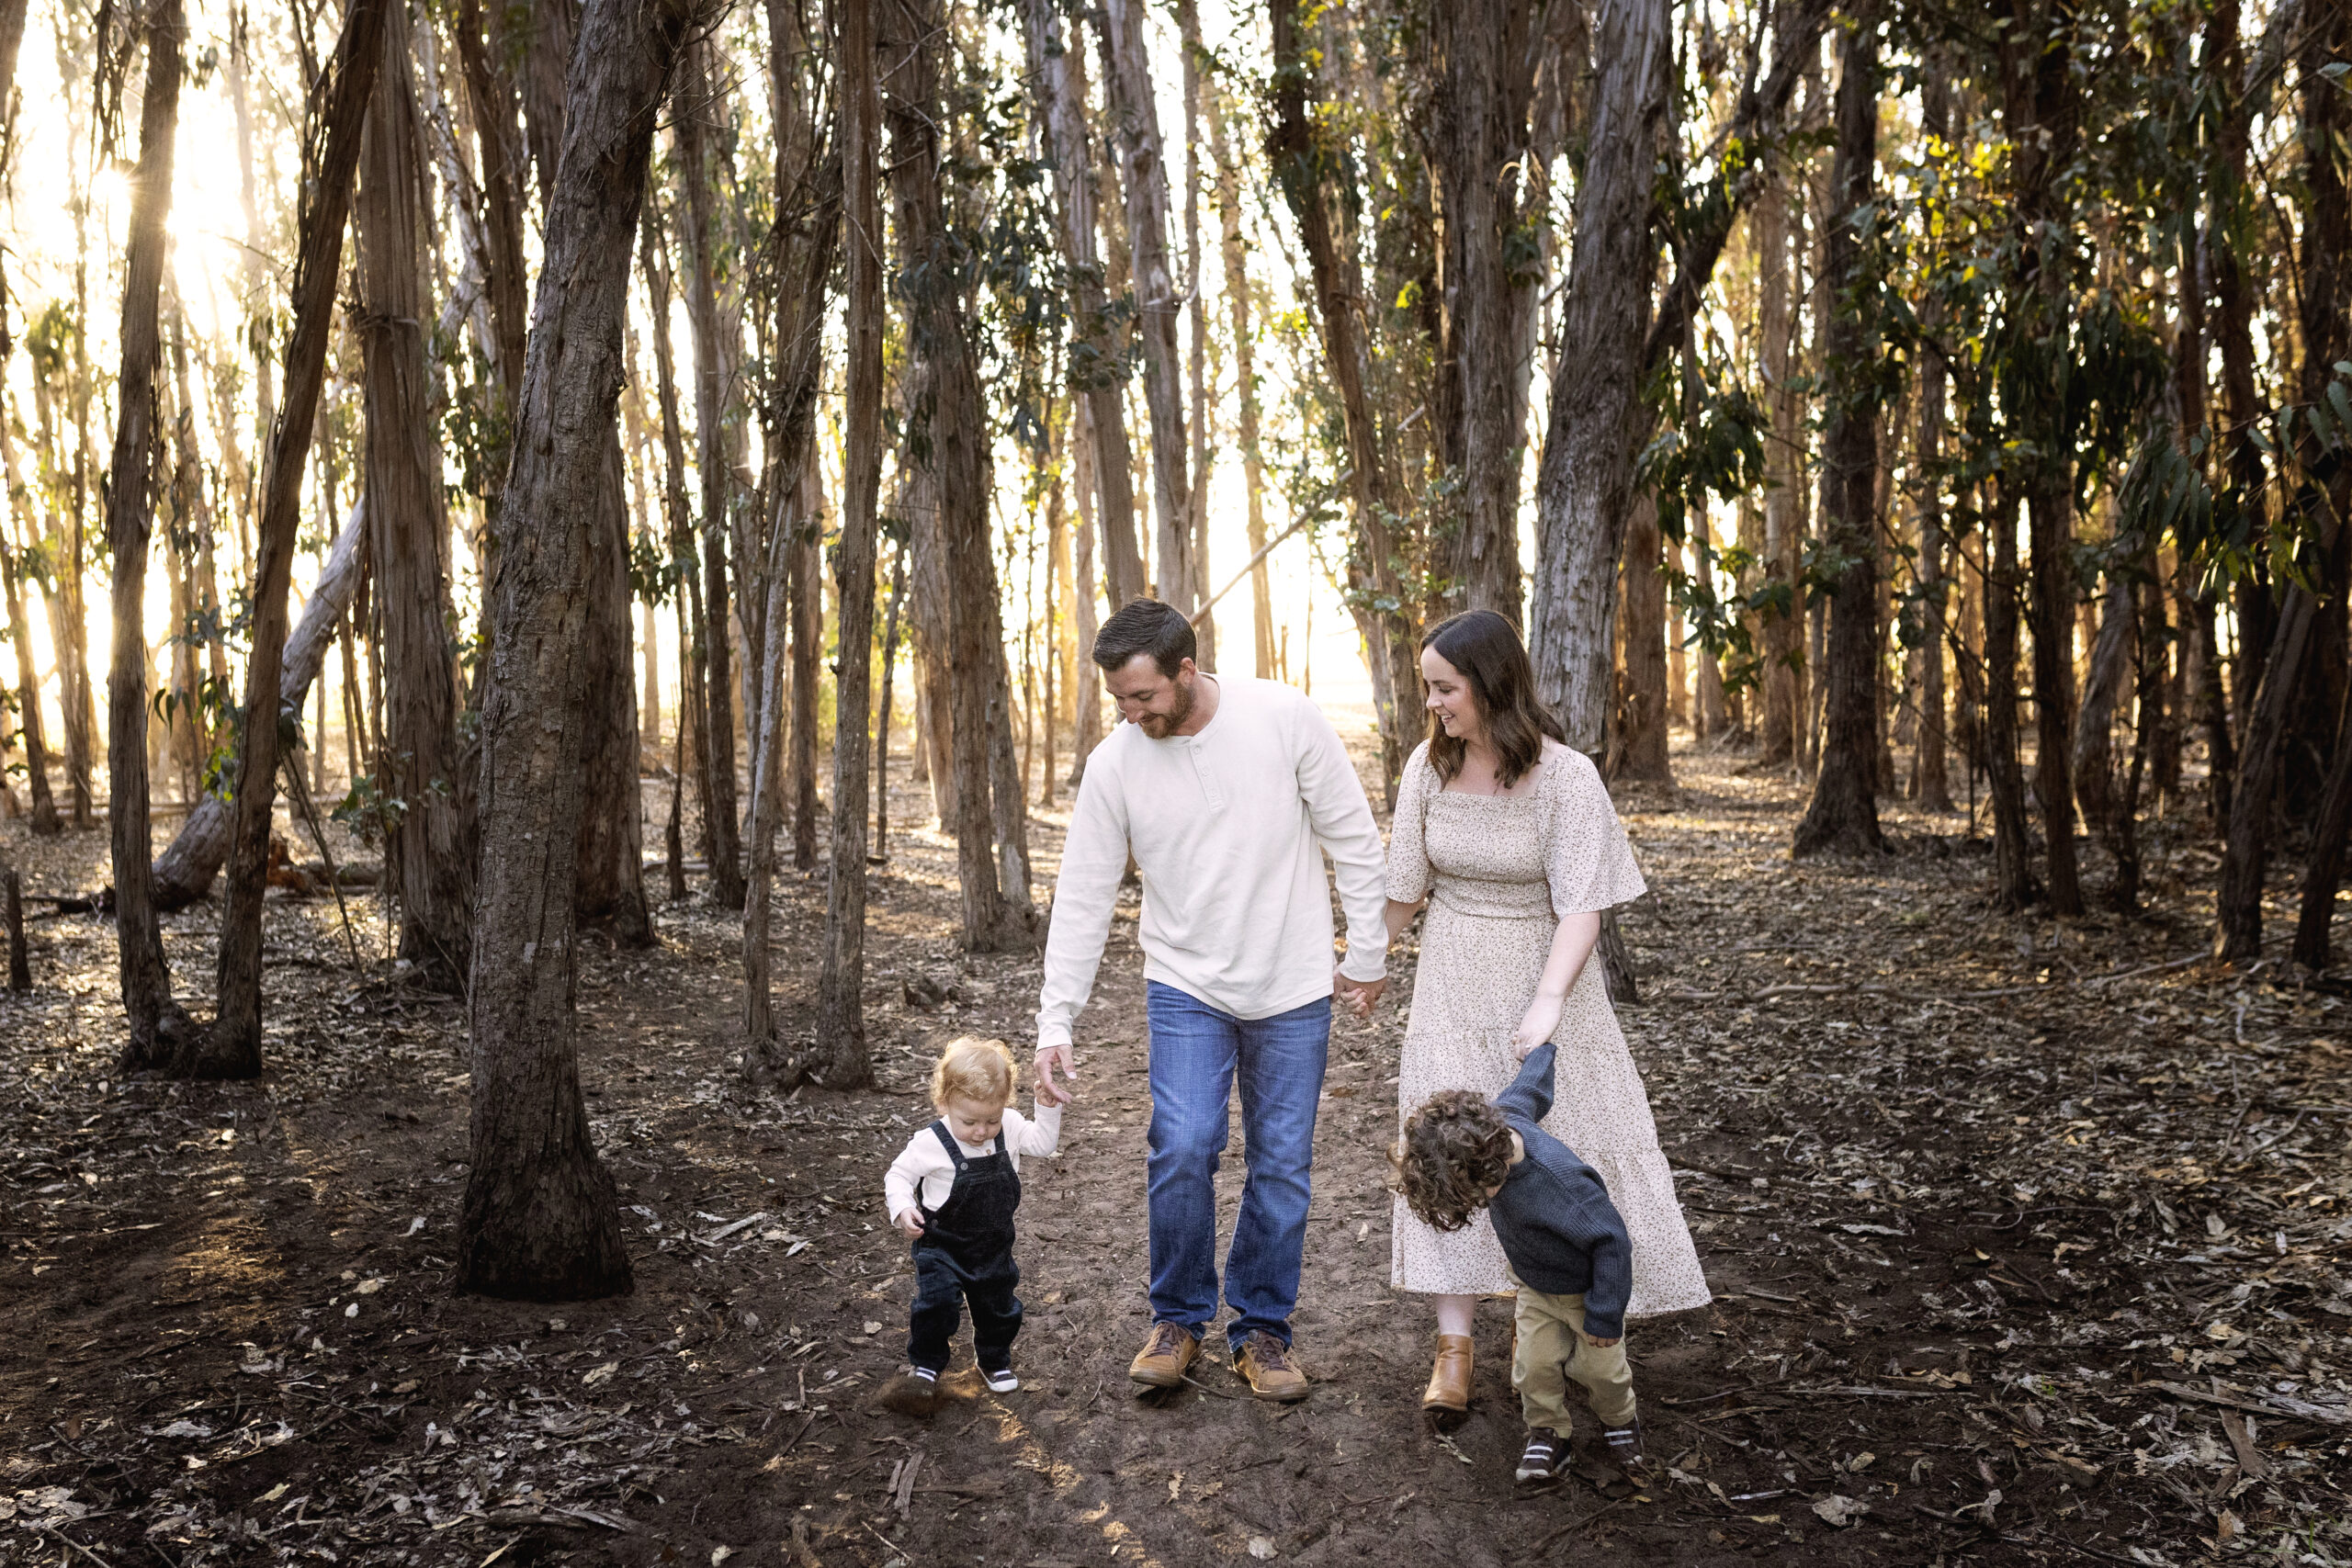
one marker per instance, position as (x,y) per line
(2029,1240)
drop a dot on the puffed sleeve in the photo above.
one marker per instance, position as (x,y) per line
(1408,860)
(1586,855)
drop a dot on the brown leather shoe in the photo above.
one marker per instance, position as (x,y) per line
(1165,1357)
(1266,1362)
(1446,1402)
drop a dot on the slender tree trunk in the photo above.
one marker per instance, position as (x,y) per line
(159,1028)
(1135,119)
(713,367)
(425,855)
(760,1051)
(1188,29)
(1843,816)
(1254,466)
(1930,771)
(1483,80)
(692,679)
(841,1014)
(1637,751)
(2111,667)
(957,477)
(807,612)
(1584,482)
(1086,733)
(540,1219)
(1059,73)
(2013,879)
(881,856)
(43,821)
(234,1050)
(1304,169)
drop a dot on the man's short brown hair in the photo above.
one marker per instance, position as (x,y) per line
(1455,1148)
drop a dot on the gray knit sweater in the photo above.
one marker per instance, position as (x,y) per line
(1552,1214)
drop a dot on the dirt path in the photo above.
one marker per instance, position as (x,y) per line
(2022,1263)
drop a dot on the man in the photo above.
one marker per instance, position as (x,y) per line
(1222,790)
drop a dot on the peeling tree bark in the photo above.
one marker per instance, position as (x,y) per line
(1134,115)
(540,1221)
(1842,817)
(159,1028)
(1584,482)
(425,854)
(234,1048)
(1059,75)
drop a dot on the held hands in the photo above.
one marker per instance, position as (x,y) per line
(1049,1091)
(1598,1342)
(1357,996)
(1543,1016)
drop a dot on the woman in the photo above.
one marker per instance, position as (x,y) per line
(1508,835)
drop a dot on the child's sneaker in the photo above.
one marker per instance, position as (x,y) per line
(1625,1443)
(1540,1464)
(914,1391)
(1000,1381)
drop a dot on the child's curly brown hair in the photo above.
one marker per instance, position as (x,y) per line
(1455,1148)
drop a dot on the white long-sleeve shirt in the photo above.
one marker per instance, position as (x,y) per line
(1224,826)
(923,1170)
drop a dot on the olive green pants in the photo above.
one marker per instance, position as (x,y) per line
(1553,1352)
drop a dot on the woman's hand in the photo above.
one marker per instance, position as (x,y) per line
(1541,1018)
(911,1223)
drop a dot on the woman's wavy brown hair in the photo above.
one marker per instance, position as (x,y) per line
(1486,649)
(1455,1149)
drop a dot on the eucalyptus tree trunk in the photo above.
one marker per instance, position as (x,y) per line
(489,94)
(43,822)
(234,1048)
(713,367)
(1584,481)
(159,1028)
(425,858)
(1188,32)
(693,677)
(1135,118)
(1930,771)
(1086,732)
(955,476)
(1482,82)
(611,887)
(1842,818)
(2325,264)
(1059,75)
(761,1048)
(1253,466)
(2004,592)
(2037,95)
(806,612)
(1637,746)
(540,1220)
(841,1011)
(1304,169)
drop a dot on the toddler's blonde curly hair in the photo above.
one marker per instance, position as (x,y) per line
(974,1070)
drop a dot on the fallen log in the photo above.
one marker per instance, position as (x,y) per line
(184,871)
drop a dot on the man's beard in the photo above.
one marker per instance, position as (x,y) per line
(1159,726)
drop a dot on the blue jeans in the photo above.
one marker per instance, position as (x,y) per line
(1195,1051)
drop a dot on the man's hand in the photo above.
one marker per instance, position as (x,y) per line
(911,1223)
(1597,1342)
(1357,996)
(1049,1091)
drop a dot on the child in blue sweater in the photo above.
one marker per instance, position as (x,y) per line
(1568,1248)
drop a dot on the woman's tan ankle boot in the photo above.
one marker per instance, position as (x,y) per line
(1446,1402)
